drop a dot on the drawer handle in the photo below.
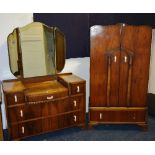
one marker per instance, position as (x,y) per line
(115,58)
(21,113)
(78,89)
(74,118)
(74,103)
(15,98)
(100,115)
(125,59)
(23,129)
(49,97)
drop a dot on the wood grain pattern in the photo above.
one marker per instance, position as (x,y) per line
(35,112)
(103,41)
(119,78)
(138,40)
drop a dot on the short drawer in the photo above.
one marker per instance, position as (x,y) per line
(46,96)
(15,98)
(77,88)
(76,102)
(20,130)
(111,116)
(68,120)
(24,112)
(30,128)
(70,104)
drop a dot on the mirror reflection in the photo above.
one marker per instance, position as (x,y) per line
(36,50)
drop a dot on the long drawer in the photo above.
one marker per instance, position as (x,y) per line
(29,111)
(35,127)
(114,116)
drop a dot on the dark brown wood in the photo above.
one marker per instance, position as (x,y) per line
(119,72)
(43,106)
(105,43)
(19,51)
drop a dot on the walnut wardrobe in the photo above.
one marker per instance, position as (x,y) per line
(119,73)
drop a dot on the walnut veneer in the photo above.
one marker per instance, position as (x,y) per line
(119,73)
(43,104)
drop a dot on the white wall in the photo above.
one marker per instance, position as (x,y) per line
(78,66)
(8,23)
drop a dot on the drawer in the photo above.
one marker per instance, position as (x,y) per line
(125,116)
(68,120)
(77,88)
(76,102)
(46,96)
(15,98)
(25,112)
(14,132)
(30,128)
(18,131)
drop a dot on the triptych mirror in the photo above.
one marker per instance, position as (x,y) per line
(36,50)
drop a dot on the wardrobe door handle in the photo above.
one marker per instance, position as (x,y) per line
(78,89)
(115,58)
(75,103)
(125,59)
(21,113)
(15,98)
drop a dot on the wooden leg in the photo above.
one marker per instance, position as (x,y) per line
(144,127)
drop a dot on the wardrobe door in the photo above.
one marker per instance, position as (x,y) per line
(135,49)
(104,65)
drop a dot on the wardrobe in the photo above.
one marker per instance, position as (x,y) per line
(119,73)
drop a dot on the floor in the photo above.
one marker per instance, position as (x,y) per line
(99,133)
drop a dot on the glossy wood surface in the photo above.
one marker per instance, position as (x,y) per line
(104,42)
(119,69)
(43,106)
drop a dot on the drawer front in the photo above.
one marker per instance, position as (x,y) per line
(25,112)
(16,114)
(76,102)
(71,104)
(46,97)
(14,132)
(61,106)
(50,124)
(30,128)
(77,88)
(118,116)
(69,120)
(50,108)
(15,98)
